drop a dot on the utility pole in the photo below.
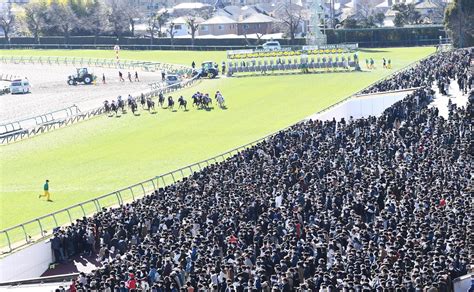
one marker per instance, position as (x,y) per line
(461,36)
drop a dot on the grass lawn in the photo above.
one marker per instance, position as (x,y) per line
(95,157)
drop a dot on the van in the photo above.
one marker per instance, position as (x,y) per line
(271,46)
(20,86)
(172,80)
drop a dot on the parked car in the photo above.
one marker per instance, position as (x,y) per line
(20,86)
(172,80)
(271,46)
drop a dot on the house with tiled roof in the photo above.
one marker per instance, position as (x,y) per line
(257,23)
(218,25)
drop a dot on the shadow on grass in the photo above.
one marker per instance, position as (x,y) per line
(373,51)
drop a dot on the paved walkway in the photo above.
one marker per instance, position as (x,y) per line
(78,264)
(441,101)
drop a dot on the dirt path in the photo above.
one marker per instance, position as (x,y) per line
(50,91)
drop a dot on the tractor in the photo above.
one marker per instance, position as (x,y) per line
(82,76)
(208,69)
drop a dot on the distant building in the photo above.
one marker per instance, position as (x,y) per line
(181,28)
(187,8)
(257,23)
(218,25)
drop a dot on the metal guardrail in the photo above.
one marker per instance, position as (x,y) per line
(26,128)
(8,77)
(49,123)
(28,232)
(98,62)
(38,228)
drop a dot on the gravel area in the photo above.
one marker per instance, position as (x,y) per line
(50,92)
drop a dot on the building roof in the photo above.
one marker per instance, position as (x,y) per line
(182,20)
(427,4)
(384,4)
(219,19)
(258,18)
(188,5)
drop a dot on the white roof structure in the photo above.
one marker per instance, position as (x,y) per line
(182,20)
(427,4)
(259,18)
(190,6)
(219,19)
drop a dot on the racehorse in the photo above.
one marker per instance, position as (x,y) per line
(182,102)
(121,105)
(206,100)
(106,107)
(196,99)
(220,100)
(142,100)
(150,104)
(161,99)
(114,107)
(130,101)
(134,106)
(170,102)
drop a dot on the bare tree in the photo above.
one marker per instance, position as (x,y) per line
(117,17)
(152,26)
(291,18)
(171,33)
(34,18)
(62,18)
(192,23)
(155,24)
(7,20)
(132,13)
(97,20)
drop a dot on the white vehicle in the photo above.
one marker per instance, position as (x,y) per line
(271,46)
(172,79)
(20,86)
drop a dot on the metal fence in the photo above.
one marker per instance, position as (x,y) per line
(18,130)
(40,228)
(8,77)
(98,62)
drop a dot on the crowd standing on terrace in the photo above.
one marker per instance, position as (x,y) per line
(374,204)
(439,69)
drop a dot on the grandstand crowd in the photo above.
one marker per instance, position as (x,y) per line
(374,204)
(438,69)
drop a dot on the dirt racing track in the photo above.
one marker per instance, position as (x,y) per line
(50,91)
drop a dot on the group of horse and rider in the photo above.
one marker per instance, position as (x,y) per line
(200,101)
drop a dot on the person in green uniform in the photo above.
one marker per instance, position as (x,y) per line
(46,191)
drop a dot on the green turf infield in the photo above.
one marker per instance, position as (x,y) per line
(98,156)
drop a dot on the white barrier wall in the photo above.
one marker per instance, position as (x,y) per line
(464,283)
(362,106)
(30,262)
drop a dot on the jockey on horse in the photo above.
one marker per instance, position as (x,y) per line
(161,99)
(130,100)
(106,107)
(120,103)
(170,102)
(220,99)
(114,107)
(142,100)
(182,102)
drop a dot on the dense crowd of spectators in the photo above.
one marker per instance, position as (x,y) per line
(438,69)
(372,204)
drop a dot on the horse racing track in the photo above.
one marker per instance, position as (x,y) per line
(103,154)
(50,92)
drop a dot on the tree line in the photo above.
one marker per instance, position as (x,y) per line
(69,18)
